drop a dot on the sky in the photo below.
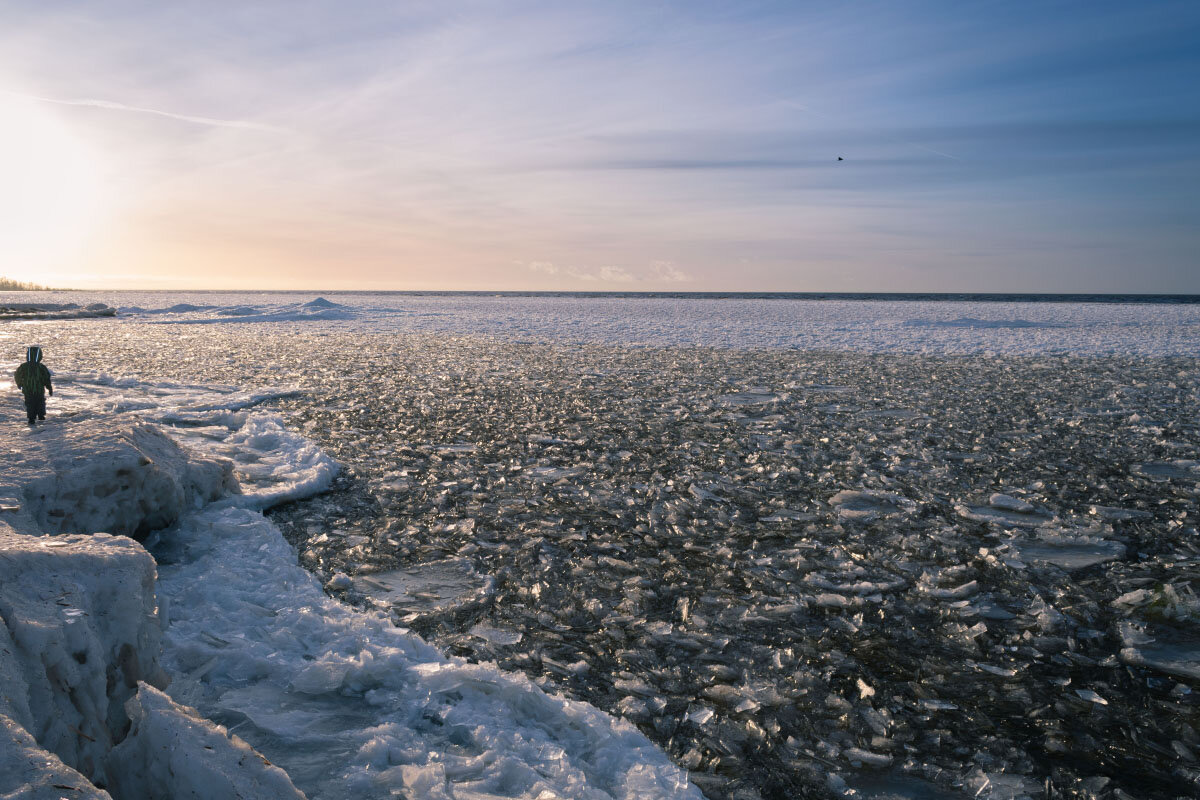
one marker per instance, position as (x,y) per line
(634,146)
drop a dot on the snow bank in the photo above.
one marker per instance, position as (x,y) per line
(80,630)
(79,624)
(92,477)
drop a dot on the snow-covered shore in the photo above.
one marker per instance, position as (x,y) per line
(81,640)
(118,671)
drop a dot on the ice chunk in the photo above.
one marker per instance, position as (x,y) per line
(1004,517)
(1070,553)
(1177,470)
(749,398)
(1091,696)
(865,758)
(170,752)
(1000,786)
(1010,503)
(127,479)
(869,504)
(1171,650)
(1114,514)
(78,631)
(435,586)
(496,635)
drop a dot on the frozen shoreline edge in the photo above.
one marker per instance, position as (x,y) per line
(157,464)
(81,640)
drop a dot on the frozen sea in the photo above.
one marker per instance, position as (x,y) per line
(602,546)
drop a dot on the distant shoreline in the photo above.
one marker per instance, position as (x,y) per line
(974,297)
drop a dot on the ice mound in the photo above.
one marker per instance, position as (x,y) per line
(49,311)
(170,752)
(321,302)
(79,631)
(319,309)
(128,479)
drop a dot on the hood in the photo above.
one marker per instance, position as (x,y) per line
(33,354)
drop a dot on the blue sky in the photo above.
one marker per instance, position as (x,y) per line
(1001,146)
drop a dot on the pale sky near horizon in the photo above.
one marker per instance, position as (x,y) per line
(686,146)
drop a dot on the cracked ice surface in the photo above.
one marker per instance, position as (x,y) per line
(343,699)
(685,561)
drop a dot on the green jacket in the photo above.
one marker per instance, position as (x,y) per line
(32,377)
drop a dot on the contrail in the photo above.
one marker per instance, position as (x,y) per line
(111,106)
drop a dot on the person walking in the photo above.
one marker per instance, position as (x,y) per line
(33,379)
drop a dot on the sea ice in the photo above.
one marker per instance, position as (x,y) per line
(869,504)
(429,588)
(343,699)
(1070,553)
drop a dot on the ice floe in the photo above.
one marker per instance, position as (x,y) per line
(869,504)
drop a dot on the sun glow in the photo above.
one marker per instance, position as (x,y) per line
(51,192)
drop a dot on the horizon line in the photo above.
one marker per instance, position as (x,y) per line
(634,292)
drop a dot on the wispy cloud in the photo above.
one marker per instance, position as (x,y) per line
(192,118)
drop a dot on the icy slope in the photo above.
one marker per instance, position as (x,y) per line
(171,752)
(79,628)
(342,699)
(28,772)
(79,631)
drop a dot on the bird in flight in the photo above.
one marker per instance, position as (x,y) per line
(841,159)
